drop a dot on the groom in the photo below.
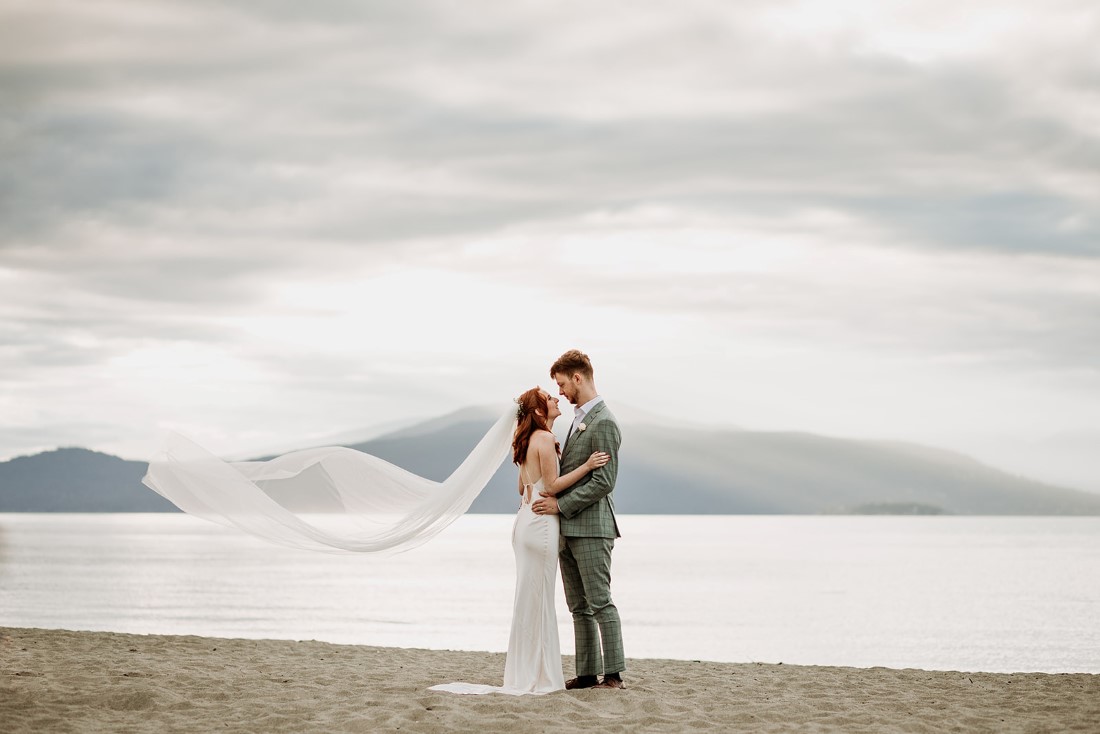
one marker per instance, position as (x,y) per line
(588,526)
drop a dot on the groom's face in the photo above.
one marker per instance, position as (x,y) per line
(567,387)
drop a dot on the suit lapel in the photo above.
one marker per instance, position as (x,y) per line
(594,412)
(571,437)
(568,441)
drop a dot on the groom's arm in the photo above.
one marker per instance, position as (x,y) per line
(607,438)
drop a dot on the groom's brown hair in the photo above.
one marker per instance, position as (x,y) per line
(572,362)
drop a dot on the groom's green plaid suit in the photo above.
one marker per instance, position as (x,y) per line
(587,510)
(588,531)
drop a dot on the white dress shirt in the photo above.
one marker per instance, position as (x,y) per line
(582,411)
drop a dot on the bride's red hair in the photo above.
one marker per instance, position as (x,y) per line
(531,416)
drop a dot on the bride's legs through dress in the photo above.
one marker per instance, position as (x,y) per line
(533,664)
(534,653)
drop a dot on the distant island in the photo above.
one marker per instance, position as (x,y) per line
(897,508)
(663,471)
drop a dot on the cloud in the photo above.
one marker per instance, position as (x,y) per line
(874,182)
(352,125)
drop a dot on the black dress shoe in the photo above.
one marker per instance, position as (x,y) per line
(581,681)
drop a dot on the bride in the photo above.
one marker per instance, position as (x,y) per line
(337,500)
(533,663)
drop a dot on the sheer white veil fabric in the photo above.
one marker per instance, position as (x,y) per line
(331,499)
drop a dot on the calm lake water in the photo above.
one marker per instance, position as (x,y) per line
(947,593)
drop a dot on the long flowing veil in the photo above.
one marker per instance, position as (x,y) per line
(332,499)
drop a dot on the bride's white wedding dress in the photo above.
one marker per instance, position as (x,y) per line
(533,664)
(368,505)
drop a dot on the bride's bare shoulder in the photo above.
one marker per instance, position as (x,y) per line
(542,437)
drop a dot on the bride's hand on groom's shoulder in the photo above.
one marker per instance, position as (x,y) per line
(596,460)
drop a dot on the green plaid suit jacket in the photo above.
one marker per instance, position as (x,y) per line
(587,509)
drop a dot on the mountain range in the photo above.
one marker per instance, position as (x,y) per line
(664,469)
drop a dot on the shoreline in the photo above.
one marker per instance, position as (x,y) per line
(62,681)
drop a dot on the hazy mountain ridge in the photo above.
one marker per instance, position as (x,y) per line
(76,480)
(664,470)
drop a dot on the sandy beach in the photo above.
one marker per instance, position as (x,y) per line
(61,681)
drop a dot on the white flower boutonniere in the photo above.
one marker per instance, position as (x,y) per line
(581,427)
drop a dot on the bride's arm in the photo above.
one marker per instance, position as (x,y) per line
(548,465)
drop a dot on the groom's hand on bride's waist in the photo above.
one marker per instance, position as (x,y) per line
(545,506)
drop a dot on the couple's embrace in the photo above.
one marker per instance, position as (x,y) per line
(566,515)
(336,499)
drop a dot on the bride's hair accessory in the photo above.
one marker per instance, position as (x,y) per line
(532,409)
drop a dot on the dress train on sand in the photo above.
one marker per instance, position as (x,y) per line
(533,665)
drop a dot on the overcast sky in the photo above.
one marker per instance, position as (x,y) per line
(261,223)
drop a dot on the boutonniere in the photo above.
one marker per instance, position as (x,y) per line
(581,427)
